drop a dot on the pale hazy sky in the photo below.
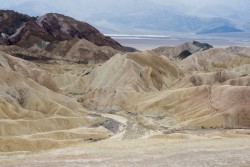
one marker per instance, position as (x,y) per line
(5,3)
(191,4)
(184,5)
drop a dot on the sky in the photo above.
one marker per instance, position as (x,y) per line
(166,2)
(191,4)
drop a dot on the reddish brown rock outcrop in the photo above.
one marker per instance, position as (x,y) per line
(25,31)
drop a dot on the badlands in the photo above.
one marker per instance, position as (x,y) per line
(70,96)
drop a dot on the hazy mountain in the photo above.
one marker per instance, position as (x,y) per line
(141,16)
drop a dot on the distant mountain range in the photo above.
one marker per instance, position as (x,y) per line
(140,16)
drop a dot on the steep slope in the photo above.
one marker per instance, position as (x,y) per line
(199,107)
(140,71)
(240,50)
(11,21)
(80,51)
(213,60)
(60,79)
(75,51)
(28,32)
(219,103)
(182,51)
(215,67)
(213,93)
(63,28)
(40,118)
(31,35)
(111,86)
